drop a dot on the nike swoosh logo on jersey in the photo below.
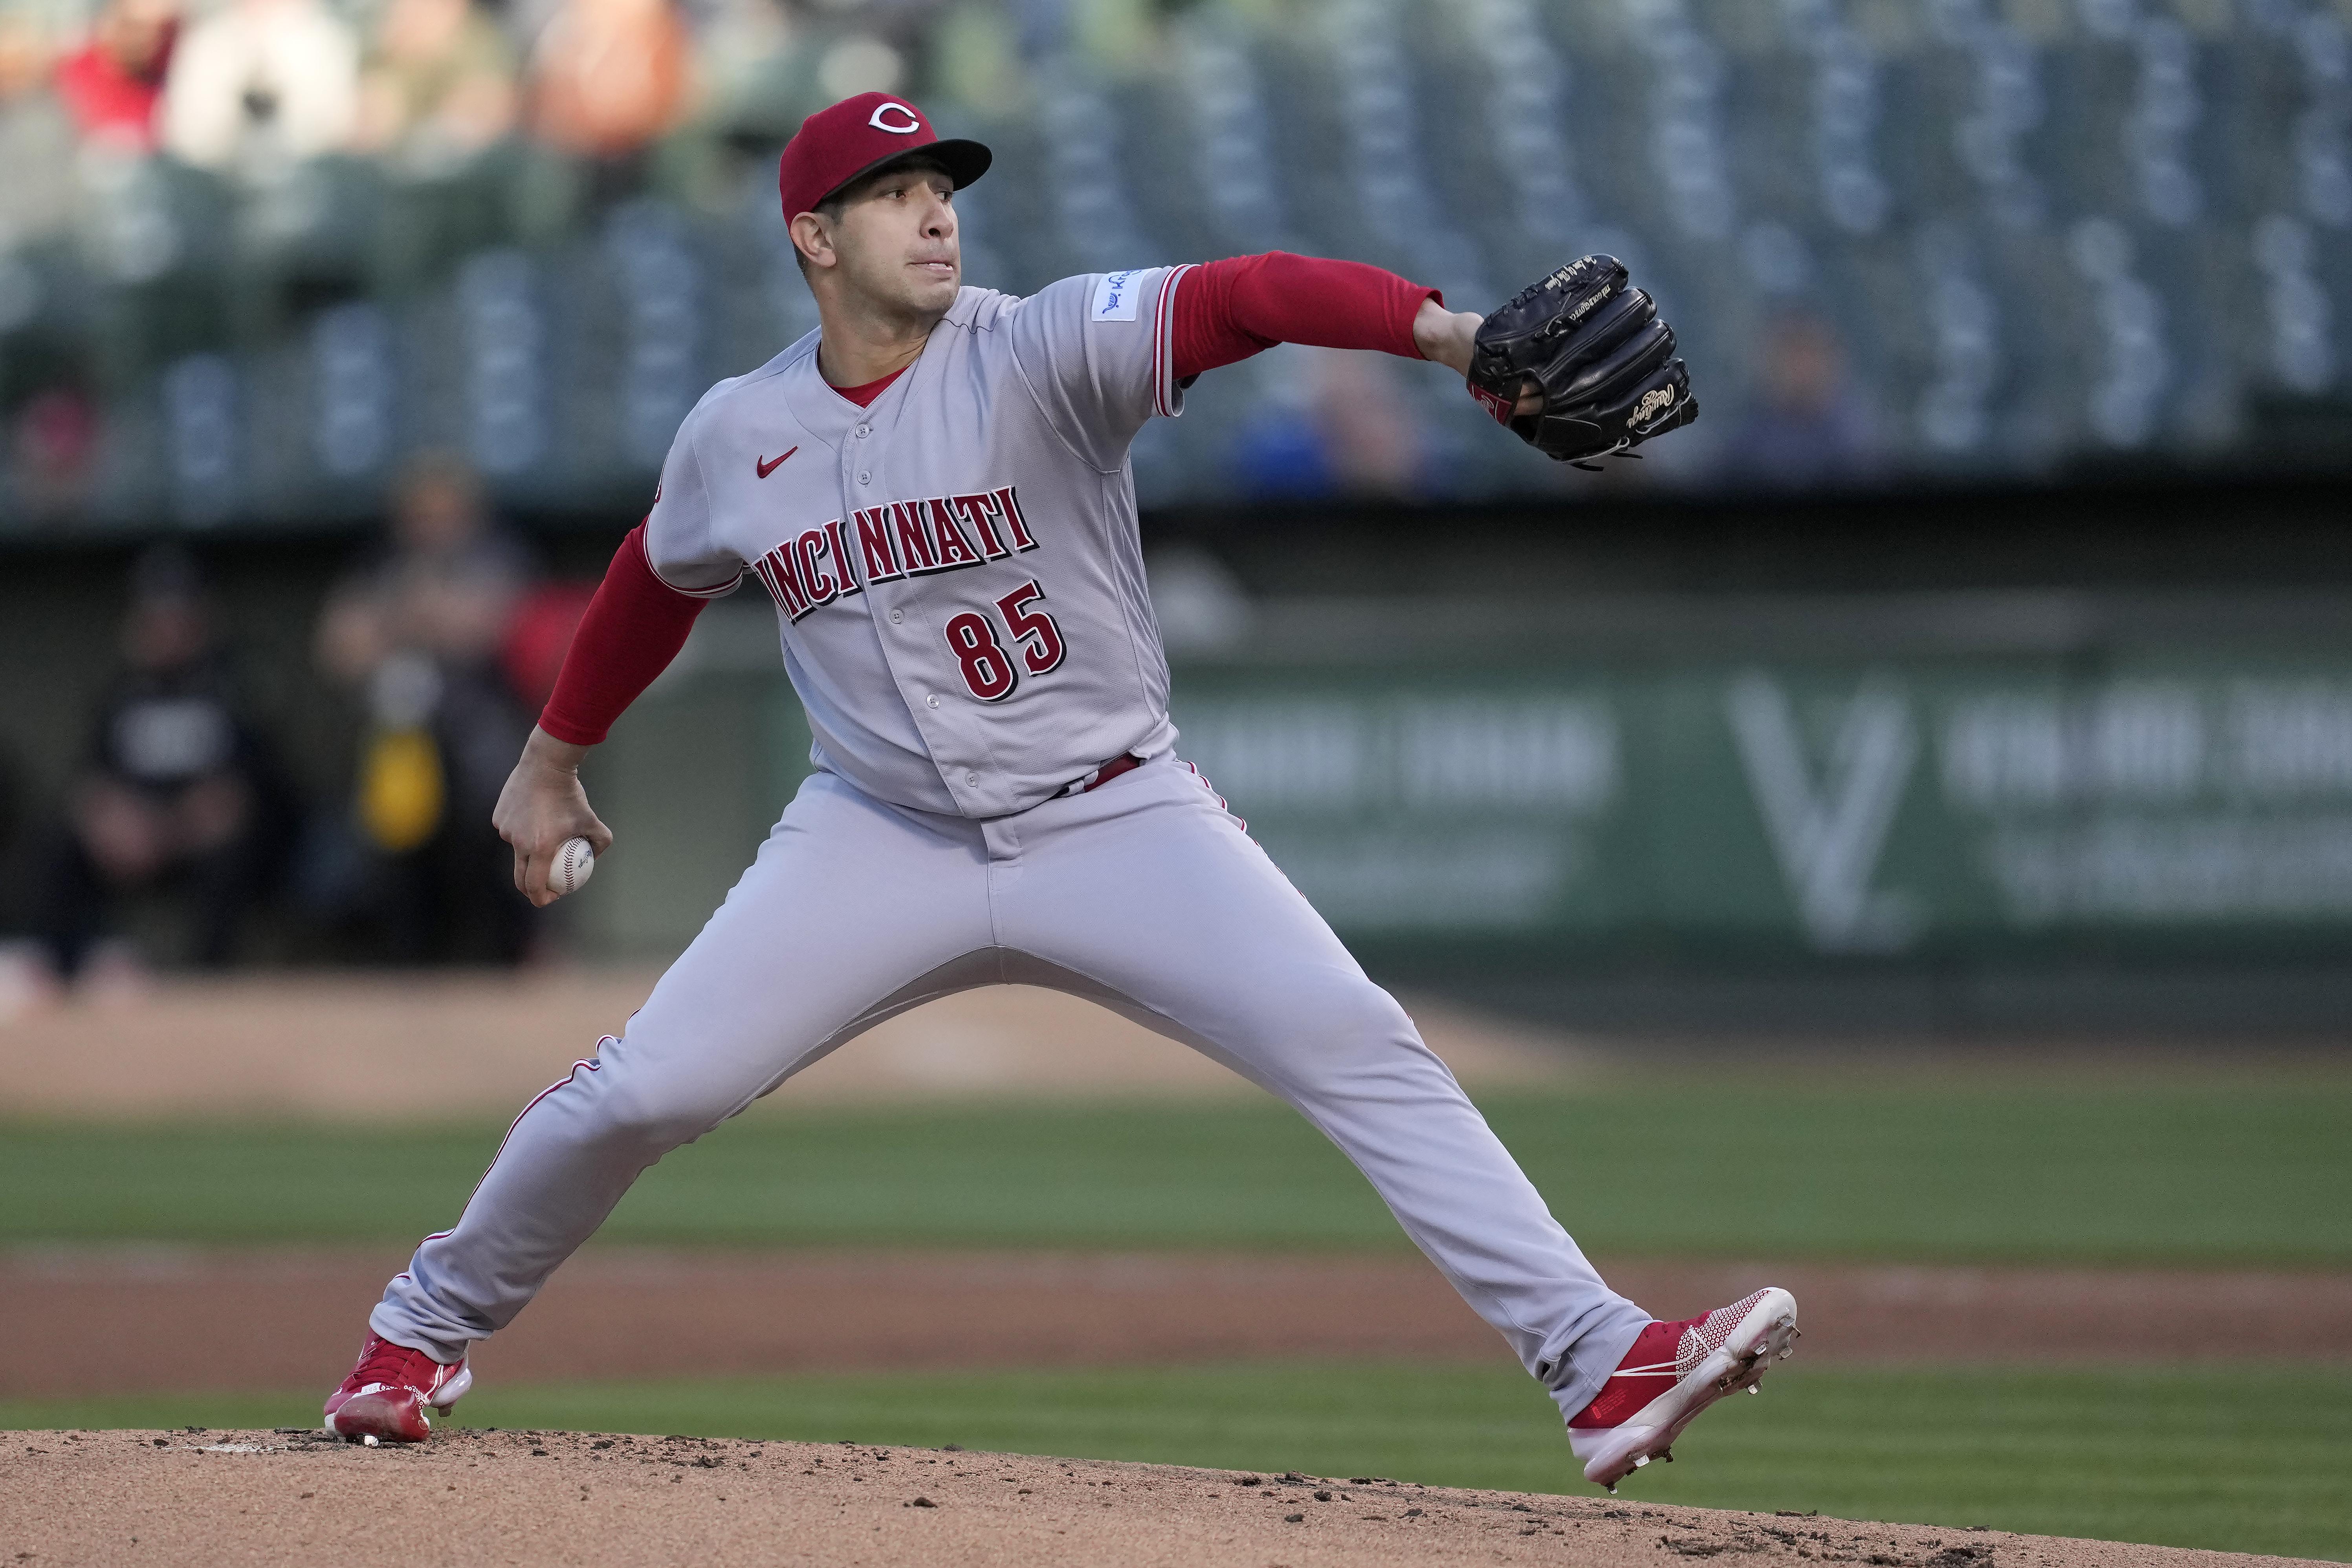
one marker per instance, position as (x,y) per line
(767,468)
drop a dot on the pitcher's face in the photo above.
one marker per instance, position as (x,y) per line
(895,244)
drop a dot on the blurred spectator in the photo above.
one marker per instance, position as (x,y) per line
(444,586)
(608,77)
(36,192)
(262,83)
(438,88)
(1807,426)
(113,83)
(28,979)
(1374,444)
(1279,454)
(54,443)
(417,632)
(179,791)
(1331,423)
(745,72)
(539,635)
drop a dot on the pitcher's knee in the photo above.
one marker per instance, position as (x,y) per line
(1350,1022)
(650,1110)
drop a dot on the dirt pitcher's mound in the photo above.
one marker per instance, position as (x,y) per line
(469,1496)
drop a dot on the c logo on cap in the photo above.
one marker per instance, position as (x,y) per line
(878,123)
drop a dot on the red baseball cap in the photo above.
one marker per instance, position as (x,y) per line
(842,144)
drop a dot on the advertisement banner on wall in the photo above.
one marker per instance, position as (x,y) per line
(1886,809)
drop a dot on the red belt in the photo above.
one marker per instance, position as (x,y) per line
(1103,775)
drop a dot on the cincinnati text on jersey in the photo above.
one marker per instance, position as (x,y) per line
(883,544)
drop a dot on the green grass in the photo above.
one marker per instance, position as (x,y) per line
(2242,1459)
(2226,1168)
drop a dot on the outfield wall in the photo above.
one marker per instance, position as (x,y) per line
(1523,804)
(1926,761)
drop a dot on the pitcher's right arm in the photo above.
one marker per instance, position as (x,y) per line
(633,628)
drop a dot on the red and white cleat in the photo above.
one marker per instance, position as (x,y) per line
(386,1394)
(1674,1371)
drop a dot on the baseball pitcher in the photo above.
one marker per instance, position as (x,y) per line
(934,489)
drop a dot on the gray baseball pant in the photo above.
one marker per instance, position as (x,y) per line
(1145,895)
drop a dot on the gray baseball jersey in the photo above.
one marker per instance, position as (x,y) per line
(955,568)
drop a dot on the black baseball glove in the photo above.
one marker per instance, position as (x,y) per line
(1594,345)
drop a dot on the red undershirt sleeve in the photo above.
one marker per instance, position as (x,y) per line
(634,626)
(1228,310)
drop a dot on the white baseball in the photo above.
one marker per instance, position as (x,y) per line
(574,861)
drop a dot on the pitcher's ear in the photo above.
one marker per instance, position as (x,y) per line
(813,240)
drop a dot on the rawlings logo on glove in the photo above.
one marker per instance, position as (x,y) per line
(1656,400)
(1594,345)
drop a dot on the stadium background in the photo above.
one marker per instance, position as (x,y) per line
(1949,739)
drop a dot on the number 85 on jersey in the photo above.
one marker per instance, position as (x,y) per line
(993,670)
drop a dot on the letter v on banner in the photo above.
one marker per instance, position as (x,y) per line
(1827,832)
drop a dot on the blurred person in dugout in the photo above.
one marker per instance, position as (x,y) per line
(179,794)
(259,85)
(415,632)
(28,979)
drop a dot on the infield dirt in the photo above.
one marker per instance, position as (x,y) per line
(473,1497)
